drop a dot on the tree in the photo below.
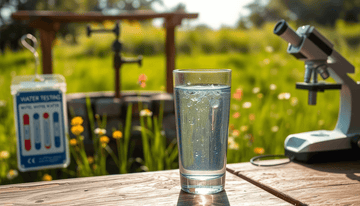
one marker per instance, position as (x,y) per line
(11,31)
(351,11)
(323,12)
(261,12)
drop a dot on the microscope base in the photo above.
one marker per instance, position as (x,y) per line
(322,146)
(324,156)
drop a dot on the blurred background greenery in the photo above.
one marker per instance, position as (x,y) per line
(265,105)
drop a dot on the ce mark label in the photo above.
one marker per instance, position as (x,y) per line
(31,160)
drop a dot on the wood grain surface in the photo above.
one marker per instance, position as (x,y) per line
(150,188)
(64,16)
(336,183)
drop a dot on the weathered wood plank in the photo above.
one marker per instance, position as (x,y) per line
(151,188)
(314,184)
(64,16)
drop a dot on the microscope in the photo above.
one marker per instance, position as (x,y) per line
(342,143)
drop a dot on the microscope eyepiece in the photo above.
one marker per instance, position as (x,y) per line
(280,27)
(283,30)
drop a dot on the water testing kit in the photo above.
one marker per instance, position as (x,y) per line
(41,121)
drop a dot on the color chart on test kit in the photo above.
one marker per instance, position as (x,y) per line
(41,134)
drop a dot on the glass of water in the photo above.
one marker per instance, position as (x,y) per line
(202,102)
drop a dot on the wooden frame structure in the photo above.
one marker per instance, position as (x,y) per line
(48,23)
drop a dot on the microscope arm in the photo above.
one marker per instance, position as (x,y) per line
(339,67)
(349,111)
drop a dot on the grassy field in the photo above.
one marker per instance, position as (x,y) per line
(265,107)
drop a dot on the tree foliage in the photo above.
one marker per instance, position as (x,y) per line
(11,31)
(323,12)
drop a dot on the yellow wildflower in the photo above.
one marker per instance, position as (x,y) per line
(77,129)
(269,49)
(104,139)
(244,128)
(47,177)
(284,95)
(274,128)
(273,86)
(117,134)
(266,61)
(81,138)
(12,174)
(294,101)
(146,112)
(251,117)
(4,155)
(73,142)
(77,121)
(3,103)
(259,150)
(234,146)
(90,159)
(100,131)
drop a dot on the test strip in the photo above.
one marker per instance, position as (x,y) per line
(47,130)
(56,129)
(27,135)
(37,131)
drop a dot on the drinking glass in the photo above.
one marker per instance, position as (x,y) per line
(202,104)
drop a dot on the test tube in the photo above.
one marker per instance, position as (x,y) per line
(37,131)
(27,136)
(47,130)
(56,129)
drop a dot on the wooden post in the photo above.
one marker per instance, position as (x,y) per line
(46,37)
(170,58)
(170,24)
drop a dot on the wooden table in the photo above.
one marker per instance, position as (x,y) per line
(320,184)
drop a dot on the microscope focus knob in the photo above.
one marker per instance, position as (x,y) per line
(322,70)
(355,142)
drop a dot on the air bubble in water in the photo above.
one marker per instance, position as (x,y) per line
(214,103)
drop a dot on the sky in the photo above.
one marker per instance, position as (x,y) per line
(211,12)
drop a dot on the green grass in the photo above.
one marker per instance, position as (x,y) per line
(257,58)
